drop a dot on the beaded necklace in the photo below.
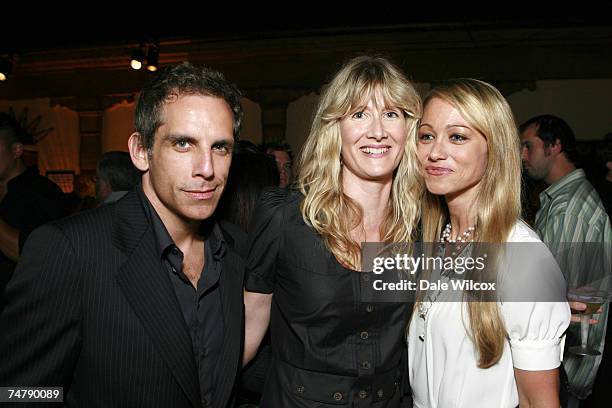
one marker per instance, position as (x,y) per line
(425,305)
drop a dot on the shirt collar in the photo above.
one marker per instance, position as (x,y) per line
(558,186)
(209,229)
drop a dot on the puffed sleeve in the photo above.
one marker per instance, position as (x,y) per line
(535,312)
(264,241)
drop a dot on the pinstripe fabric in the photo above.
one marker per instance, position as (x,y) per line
(90,309)
(571,211)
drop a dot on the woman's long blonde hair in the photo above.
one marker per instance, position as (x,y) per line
(325,207)
(498,202)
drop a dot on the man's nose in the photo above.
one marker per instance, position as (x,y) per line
(203,165)
(524,154)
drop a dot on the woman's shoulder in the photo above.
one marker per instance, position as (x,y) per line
(521,232)
(276,201)
(277,197)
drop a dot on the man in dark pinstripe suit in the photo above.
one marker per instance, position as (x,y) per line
(139,303)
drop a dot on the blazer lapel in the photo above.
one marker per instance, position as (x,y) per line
(149,291)
(233,316)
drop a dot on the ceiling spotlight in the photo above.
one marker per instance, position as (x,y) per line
(5,68)
(153,57)
(137,58)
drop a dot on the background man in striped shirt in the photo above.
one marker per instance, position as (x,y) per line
(570,212)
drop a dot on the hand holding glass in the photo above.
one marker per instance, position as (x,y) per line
(593,300)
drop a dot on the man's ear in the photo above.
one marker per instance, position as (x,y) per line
(17,150)
(556,147)
(103,189)
(138,153)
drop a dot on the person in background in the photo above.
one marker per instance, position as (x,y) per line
(601,396)
(83,195)
(250,173)
(603,184)
(115,176)
(283,155)
(570,212)
(27,199)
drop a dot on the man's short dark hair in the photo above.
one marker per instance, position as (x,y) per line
(549,128)
(117,169)
(278,146)
(178,80)
(10,130)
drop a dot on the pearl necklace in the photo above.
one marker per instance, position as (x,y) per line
(446,235)
(425,305)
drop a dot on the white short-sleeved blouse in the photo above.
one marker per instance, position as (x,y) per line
(443,367)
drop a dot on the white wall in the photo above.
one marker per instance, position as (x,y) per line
(117,126)
(251,123)
(299,119)
(586,105)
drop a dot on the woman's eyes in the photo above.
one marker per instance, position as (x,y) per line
(388,115)
(457,137)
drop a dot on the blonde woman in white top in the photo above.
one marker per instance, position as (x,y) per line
(481,353)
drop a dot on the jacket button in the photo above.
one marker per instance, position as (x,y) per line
(364,335)
(369,308)
(366,277)
(380,393)
(337,396)
(365,365)
(363,394)
(300,389)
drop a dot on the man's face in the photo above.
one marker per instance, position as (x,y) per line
(283,162)
(8,160)
(187,169)
(536,157)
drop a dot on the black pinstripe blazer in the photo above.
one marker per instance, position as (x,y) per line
(90,308)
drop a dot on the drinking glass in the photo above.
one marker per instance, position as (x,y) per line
(593,299)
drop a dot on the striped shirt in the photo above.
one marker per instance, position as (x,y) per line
(572,212)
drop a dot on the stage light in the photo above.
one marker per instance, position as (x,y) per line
(137,58)
(5,68)
(153,57)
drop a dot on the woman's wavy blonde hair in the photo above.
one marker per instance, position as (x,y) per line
(325,207)
(498,202)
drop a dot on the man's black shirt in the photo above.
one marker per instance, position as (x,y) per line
(201,306)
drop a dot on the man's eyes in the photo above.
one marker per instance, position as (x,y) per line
(182,144)
(222,147)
